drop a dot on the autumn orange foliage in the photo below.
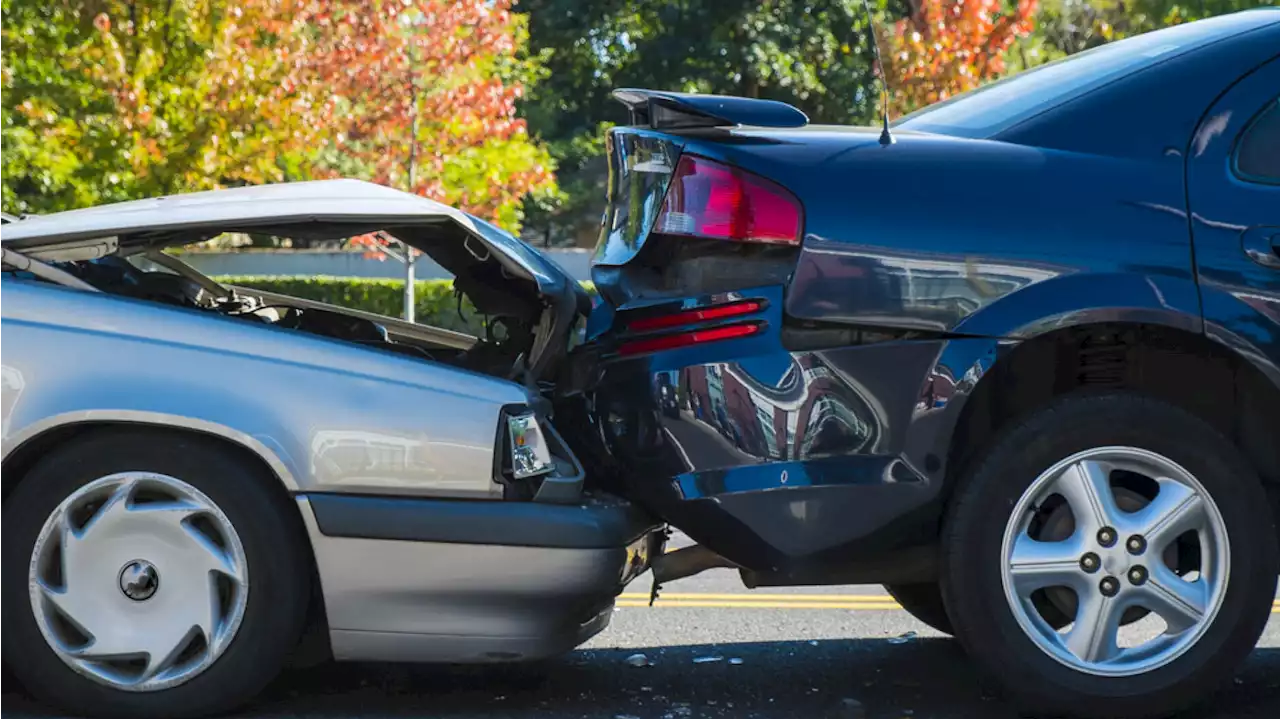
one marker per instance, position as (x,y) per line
(384,76)
(415,94)
(946,47)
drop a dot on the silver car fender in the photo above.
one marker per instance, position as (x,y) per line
(325,415)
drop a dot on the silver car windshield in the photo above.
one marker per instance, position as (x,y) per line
(990,109)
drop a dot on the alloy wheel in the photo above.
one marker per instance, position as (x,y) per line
(1147,583)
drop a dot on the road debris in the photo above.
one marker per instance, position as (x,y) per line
(708,659)
(902,638)
(639,660)
(736,661)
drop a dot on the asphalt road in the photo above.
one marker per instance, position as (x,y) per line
(717,650)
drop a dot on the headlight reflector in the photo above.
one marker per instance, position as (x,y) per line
(529,453)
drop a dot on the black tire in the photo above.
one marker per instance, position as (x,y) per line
(973,535)
(270,531)
(924,602)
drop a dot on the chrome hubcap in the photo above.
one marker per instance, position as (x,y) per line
(138,581)
(1146,583)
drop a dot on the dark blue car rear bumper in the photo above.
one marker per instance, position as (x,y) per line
(778,458)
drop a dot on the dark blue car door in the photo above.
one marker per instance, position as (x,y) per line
(1233,189)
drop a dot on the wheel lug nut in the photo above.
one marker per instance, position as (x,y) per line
(1109,586)
(1138,575)
(1106,536)
(1136,544)
(1090,562)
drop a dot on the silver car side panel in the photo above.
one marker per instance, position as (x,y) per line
(326,415)
(427,601)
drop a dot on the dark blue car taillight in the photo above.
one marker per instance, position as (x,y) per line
(715,201)
(641,165)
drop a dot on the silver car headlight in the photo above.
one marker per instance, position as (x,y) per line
(530,455)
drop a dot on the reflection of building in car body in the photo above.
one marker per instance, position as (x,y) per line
(808,413)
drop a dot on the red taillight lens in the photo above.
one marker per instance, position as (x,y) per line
(684,339)
(710,199)
(690,317)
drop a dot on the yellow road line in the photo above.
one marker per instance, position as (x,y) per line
(855,602)
(758,605)
(752,597)
(849,606)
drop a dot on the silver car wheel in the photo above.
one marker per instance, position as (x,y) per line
(1122,567)
(138,581)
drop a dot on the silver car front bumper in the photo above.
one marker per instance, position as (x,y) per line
(442,581)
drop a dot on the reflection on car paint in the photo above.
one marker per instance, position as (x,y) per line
(805,413)
(13,384)
(921,290)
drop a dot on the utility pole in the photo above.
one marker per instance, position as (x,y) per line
(410,254)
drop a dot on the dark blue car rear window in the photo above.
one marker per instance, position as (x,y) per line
(1258,155)
(988,110)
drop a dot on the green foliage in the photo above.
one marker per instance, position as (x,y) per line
(1065,27)
(434,300)
(108,100)
(814,54)
(111,100)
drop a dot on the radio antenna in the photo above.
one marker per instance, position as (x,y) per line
(886,137)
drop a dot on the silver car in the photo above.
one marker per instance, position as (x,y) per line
(193,472)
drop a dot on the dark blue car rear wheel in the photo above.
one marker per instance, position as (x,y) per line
(1137,522)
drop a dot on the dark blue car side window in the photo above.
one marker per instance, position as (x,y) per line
(1257,156)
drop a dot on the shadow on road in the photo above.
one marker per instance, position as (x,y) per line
(919,679)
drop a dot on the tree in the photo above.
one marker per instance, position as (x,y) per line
(946,47)
(1065,27)
(814,54)
(107,100)
(421,95)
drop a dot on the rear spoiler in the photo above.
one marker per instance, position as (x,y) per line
(676,110)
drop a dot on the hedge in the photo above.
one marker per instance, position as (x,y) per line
(434,301)
(435,304)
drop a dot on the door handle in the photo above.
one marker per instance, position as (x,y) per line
(1262,245)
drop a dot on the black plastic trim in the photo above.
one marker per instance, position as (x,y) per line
(602,524)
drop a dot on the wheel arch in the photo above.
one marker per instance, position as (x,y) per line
(25,447)
(1161,360)
(24,451)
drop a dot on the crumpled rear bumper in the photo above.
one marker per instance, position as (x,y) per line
(785,461)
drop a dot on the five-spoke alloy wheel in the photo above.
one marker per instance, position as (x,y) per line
(1163,582)
(1109,556)
(128,556)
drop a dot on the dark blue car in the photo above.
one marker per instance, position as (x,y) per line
(1019,360)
